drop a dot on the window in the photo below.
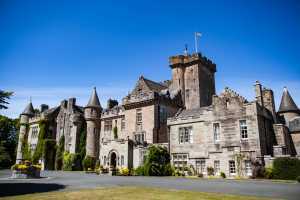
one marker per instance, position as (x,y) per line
(180,161)
(34,132)
(187,94)
(243,129)
(162,114)
(217,167)
(216,127)
(232,167)
(122,160)
(139,138)
(200,166)
(123,123)
(185,135)
(248,167)
(107,125)
(104,161)
(139,120)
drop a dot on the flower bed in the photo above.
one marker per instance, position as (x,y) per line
(26,170)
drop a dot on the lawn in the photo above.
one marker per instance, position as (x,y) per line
(127,193)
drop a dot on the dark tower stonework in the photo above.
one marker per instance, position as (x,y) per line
(194,76)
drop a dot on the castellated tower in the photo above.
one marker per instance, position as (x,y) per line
(24,124)
(194,76)
(92,112)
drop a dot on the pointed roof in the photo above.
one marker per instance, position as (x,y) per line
(28,110)
(94,100)
(287,103)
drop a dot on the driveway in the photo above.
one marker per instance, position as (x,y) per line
(78,180)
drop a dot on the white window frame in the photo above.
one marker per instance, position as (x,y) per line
(200,166)
(248,167)
(185,135)
(180,160)
(243,129)
(217,167)
(232,167)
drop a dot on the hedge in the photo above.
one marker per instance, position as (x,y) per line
(49,153)
(286,168)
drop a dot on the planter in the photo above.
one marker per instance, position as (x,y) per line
(25,174)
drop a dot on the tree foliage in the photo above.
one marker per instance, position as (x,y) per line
(157,162)
(4,96)
(60,153)
(8,140)
(38,153)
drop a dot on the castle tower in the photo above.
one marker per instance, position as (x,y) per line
(24,122)
(194,76)
(92,112)
(288,109)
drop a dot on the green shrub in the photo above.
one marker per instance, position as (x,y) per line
(210,171)
(298,179)
(60,154)
(200,175)
(139,171)
(286,168)
(157,161)
(49,153)
(268,173)
(169,170)
(68,161)
(222,174)
(88,162)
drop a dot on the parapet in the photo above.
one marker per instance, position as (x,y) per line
(186,60)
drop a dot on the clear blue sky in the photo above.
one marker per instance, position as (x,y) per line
(52,50)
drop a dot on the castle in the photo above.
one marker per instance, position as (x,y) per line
(199,128)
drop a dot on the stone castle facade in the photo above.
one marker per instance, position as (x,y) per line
(199,128)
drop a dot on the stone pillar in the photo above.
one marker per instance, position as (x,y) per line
(23,131)
(258,93)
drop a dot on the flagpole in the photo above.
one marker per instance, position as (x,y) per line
(196,42)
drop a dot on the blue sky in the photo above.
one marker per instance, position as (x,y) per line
(52,50)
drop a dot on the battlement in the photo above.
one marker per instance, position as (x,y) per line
(186,60)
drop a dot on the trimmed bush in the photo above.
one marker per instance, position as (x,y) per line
(124,171)
(200,175)
(222,174)
(210,171)
(269,173)
(298,179)
(157,161)
(286,168)
(88,162)
(139,171)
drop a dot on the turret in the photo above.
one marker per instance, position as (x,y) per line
(288,108)
(24,121)
(92,112)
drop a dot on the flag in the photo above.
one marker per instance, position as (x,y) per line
(198,34)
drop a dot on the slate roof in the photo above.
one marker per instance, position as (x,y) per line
(28,110)
(154,86)
(94,100)
(287,103)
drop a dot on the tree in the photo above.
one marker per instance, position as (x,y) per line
(157,162)
(5,159)
(4,96)
(8,139)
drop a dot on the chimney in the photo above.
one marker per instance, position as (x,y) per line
(71,102)
(44,107)
(258,93)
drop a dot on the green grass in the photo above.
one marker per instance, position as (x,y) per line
(128,193)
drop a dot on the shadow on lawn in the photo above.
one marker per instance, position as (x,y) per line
(11,189)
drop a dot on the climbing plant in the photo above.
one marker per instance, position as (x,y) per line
(60,153)
(239,157)
(38,153)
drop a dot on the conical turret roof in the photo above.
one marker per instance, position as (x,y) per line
(28,110)
(94,100)
(287,103)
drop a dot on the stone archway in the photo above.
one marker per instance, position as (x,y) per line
(113,160)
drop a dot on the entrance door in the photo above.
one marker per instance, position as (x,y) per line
(113,160)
